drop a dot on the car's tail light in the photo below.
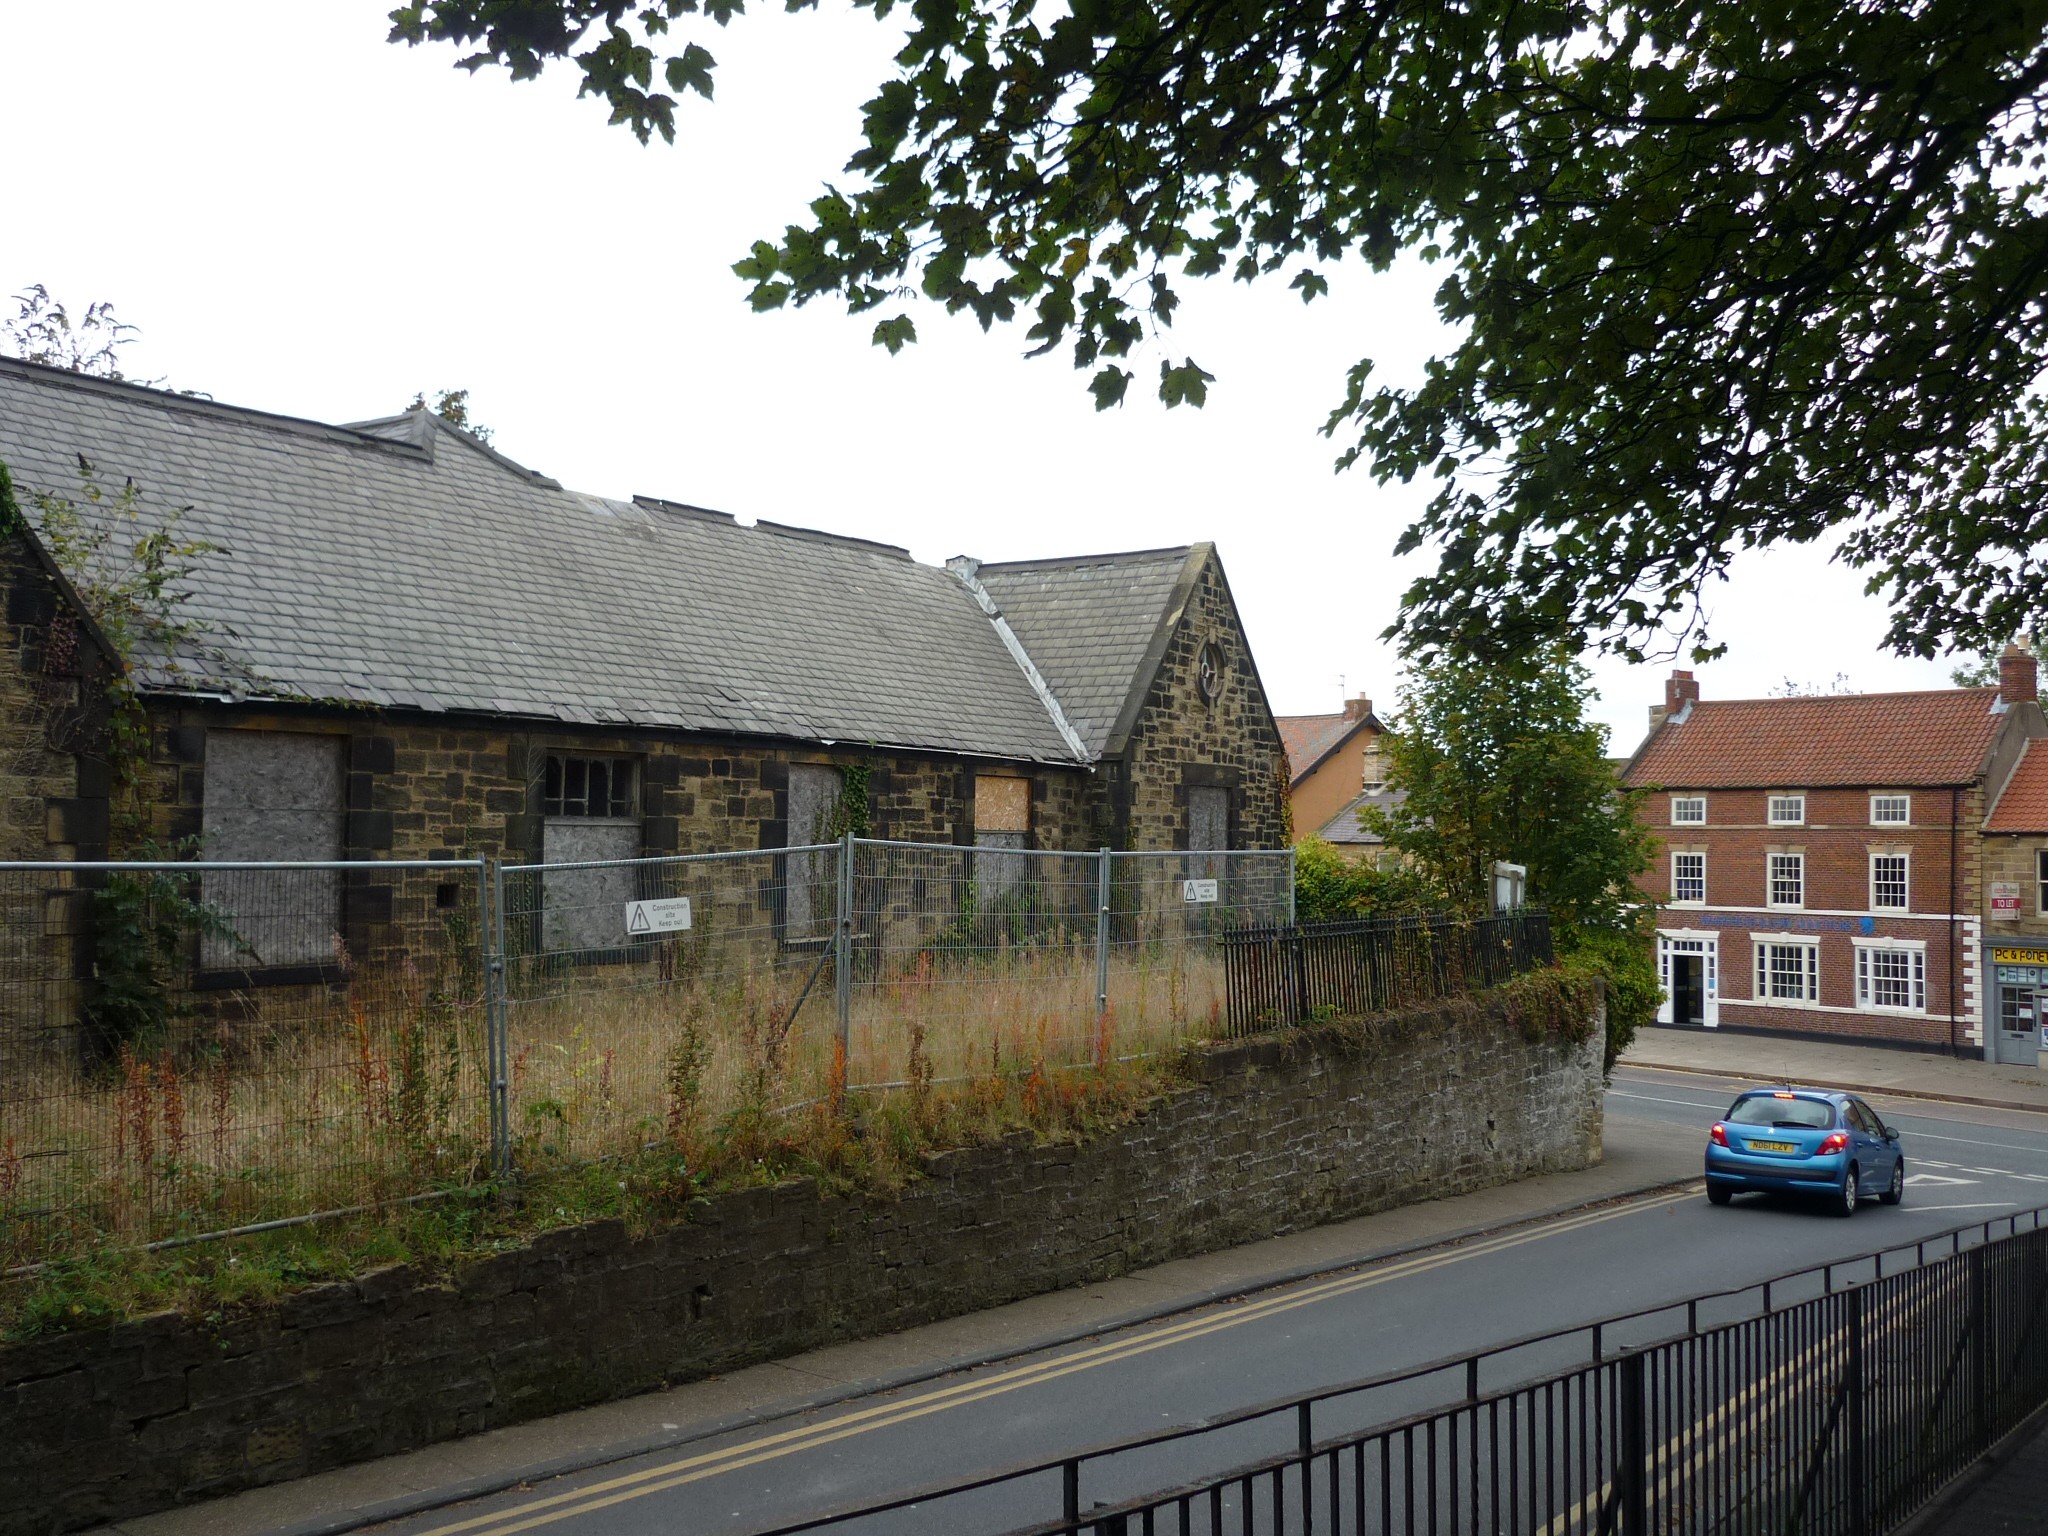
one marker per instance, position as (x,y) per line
(1836,1142)
(1719,1134)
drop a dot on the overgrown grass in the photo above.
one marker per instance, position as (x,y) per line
(872,1145)
(316,1101)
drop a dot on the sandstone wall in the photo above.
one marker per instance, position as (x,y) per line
(1280,1133)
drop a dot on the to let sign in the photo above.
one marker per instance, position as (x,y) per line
(2005,900)
(1198,890)
(670,914)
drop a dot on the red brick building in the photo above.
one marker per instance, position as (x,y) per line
(1822,867)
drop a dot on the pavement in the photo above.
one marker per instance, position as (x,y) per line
(2006,1494)
(1764,1058)
(1640,1157)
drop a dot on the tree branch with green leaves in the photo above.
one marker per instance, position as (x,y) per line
(1724,277)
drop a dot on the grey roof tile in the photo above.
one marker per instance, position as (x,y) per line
(404,561)
(1090,625)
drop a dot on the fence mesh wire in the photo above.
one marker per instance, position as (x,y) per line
(1169,913)
(980,957)
(190,1047)
(624,1026)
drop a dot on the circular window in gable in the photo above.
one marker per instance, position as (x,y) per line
(1209,670)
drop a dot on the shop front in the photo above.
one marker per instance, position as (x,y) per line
(2019,1003)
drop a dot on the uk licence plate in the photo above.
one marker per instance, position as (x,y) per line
(1773,1146)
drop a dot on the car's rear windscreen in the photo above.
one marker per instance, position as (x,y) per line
(1768,1109)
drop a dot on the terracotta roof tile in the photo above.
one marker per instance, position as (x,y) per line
(2023,803)
(1310,738)
(1841,739)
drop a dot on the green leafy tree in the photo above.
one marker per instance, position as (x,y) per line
(1329,887)
(1725,275)
(1497,761)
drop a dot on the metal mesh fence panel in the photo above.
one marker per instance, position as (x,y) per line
(975,958)
(1169,913)
(192,1046)
(648,999)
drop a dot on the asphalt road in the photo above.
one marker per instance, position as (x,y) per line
(1965,1164)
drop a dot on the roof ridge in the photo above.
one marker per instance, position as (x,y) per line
(687,509)
(204,405)
(1828,698)
(964,569)
(821,536)
(1071,562)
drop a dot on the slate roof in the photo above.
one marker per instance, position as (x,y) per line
(403,563)
(1345,827)
(2022,806)
(1940,737)
(1311,738)
(1097,627)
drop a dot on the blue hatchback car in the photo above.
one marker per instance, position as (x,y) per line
(1812,1141)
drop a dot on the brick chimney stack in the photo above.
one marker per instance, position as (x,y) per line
(1679,691)
(2017,682)
(1358,708)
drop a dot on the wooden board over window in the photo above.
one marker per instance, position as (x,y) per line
(1002,803)
(271,795)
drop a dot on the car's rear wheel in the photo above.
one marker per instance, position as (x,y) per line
(1845,1197)
(1719,1195)
(1897,1189)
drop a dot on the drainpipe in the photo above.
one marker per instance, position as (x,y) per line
(1954,824)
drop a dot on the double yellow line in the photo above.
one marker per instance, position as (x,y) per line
(690,1469)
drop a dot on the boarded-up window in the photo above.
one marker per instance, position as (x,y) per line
(592,820)
(1002,820)
(269,797)
(1208,828)
(809,897)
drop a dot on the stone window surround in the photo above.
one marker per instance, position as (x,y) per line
(1696,875)
(611,779)
(1775,947)
(1905,880)
(1797,878)
(1785,808)
(1915,979)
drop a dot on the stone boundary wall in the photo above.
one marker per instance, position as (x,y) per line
(1277,1133)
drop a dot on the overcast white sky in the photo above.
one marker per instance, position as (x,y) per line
(306,219)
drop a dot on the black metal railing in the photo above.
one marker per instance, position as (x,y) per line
(1839,1406)
(1282,975)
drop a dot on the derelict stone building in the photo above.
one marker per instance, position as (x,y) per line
(402,644)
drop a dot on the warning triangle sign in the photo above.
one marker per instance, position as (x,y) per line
(636,919)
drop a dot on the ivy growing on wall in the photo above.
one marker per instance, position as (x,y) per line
(10,510)
(131,574)
(853,813)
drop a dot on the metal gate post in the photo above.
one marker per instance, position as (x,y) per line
(1101,936)
(842,957)
(1631,1486)
(1859,1509)
(497,1022)
(1982,1387)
